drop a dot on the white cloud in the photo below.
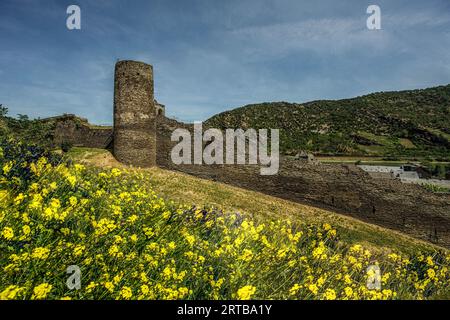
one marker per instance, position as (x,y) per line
(337,35)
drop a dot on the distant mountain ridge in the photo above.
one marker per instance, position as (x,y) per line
(389,124)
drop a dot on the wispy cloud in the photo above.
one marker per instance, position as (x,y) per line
(211,56)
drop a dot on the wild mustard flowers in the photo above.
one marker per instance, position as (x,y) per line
(8,233)
(129,243)
(41,291)
(246,292)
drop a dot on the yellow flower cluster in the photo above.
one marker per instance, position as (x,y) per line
(131,244)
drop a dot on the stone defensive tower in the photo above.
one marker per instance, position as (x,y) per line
(134,114)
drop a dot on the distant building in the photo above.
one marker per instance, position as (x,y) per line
(407,171)
(380,169)
(305,156)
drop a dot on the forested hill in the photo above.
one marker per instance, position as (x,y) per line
(404,123)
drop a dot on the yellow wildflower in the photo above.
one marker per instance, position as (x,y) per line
(126,292)
(10,292)
(329,294)
(313,288)
(8,233)
(40,253)
(246,292)
(41,291)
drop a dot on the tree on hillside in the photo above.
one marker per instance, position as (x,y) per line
(3,111)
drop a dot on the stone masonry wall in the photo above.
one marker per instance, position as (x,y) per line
(78,132)
(341,188)
(134,114)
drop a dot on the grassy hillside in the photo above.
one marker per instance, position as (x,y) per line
(22,128)
(181,237)
(184,188)
(413,123)
(153,234)
(37,131)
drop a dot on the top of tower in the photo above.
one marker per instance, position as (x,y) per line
(133,63)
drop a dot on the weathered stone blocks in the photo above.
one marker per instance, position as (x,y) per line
(134,114)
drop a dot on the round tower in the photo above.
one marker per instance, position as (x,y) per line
(134,114)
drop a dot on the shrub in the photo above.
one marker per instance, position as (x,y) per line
(19,162)
(66,146)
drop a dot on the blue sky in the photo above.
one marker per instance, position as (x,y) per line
(210,55)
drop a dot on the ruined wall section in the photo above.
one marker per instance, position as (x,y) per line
(164,128)
(79,132)
(341,188)
(134,114)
